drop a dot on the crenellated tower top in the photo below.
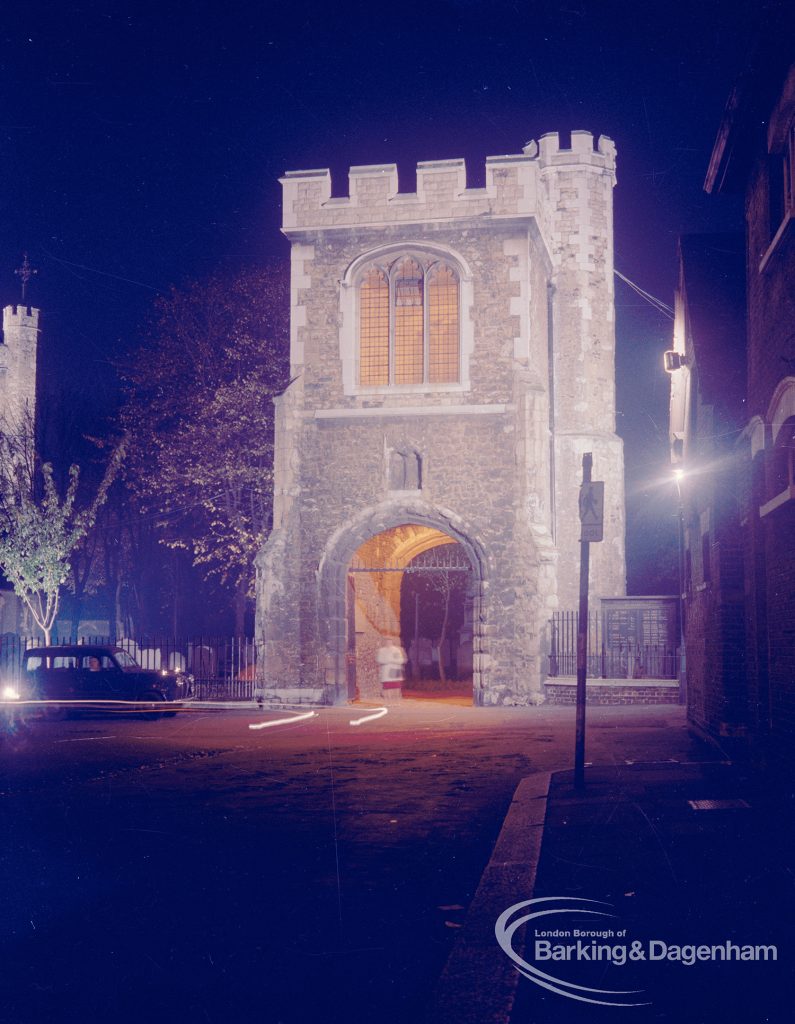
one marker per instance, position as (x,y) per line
(373,198)
(20,316)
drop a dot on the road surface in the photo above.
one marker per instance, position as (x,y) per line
(196,869)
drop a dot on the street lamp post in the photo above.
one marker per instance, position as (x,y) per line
(678,475)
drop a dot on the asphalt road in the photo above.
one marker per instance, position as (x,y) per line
(195,869)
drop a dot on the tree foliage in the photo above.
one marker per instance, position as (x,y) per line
(39,529)
(199,412)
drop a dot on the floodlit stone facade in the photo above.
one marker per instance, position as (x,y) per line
(18,351)
(468,426)
(18,356)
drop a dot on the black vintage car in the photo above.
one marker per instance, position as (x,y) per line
(87,677)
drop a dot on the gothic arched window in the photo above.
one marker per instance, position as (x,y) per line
(409,322)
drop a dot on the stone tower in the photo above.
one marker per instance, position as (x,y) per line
(18,352)
(452,356)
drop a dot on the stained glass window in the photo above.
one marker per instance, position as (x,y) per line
(409,323)
(409,316)
(442,326)
(374,328)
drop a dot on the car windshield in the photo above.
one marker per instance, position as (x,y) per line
(125,660)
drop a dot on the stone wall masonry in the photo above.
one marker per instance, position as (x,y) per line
(345,460)
(584,298)
(579,191)
(608,567)
(500,314)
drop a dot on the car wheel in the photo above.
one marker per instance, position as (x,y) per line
(153,697)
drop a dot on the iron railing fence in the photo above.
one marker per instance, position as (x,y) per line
(615,658)
(223,668)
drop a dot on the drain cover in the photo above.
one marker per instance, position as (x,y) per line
(718,805)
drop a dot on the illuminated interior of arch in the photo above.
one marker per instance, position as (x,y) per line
(376,585)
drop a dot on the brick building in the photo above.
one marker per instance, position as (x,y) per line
(754,155)
(452,356)
(707,413)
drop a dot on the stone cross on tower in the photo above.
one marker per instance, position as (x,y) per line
(25,273)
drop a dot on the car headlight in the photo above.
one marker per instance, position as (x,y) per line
(11,693)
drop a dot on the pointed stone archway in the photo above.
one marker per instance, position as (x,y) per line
(390,537)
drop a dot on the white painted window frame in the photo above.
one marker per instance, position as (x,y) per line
(382,257)
(787,153)
(781,409)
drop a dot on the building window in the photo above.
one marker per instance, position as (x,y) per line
(780,469)
(409,313)
(706,561)
(374,326)
(782,460)
(782,182)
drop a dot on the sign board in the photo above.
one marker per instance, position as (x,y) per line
(640,622)
(592,510)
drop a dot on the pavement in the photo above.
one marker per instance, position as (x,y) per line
(633,888)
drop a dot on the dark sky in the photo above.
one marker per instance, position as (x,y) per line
(141,143)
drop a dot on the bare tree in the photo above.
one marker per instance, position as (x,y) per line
(39,528)
(199,412)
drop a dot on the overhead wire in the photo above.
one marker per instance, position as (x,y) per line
(658,304)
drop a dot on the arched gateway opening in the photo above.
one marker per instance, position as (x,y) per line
(411,585)
(413,578)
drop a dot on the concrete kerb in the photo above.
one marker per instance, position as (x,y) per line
(478,983)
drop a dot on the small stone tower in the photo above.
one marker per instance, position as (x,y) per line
(18,352)
(452,356)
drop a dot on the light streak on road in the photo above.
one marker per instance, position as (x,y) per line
(79,701)
(85,739)
(378,713)
(283,721)
(109,704)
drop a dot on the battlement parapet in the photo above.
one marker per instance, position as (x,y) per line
(20,316)
(584,149)
(441,195)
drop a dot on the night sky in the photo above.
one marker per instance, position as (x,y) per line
(141,144)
